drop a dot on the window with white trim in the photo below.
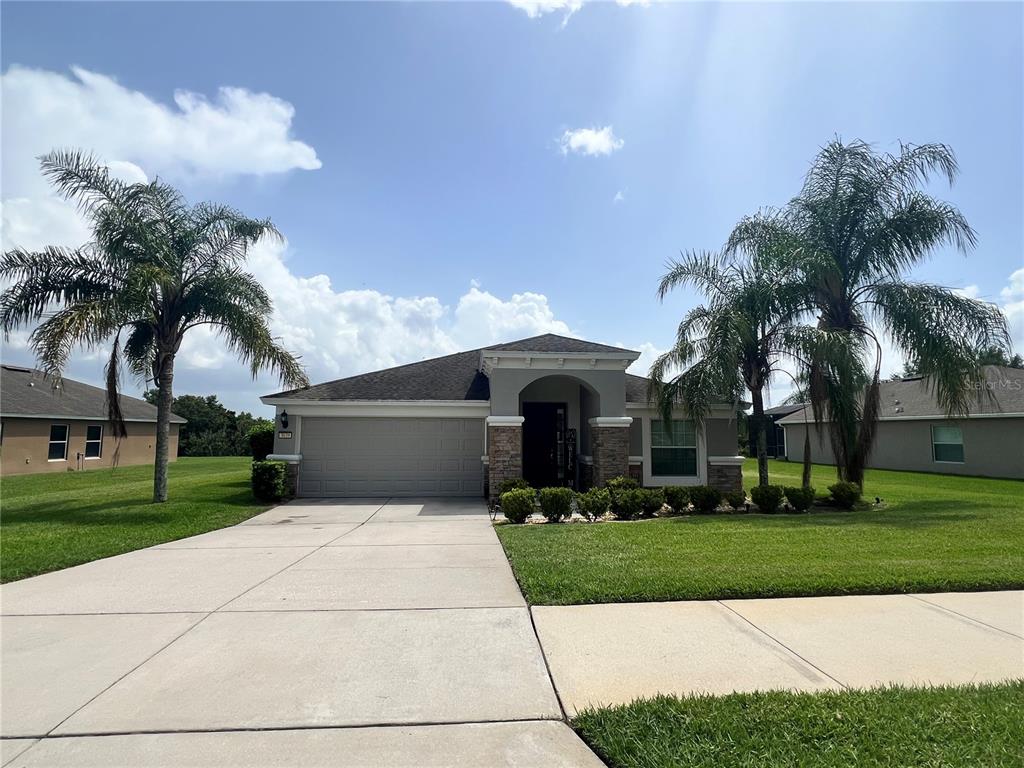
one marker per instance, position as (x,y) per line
(94,441)
(674,451)
(58,448)
(947,444)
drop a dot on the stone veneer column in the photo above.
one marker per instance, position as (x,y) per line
(504,450)
(725,473)
(609,447)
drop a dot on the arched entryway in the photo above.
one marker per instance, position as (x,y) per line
(555,410)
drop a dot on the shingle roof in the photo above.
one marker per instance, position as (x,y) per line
(913,397)
(550,342)
(782,410)
(452,377)
(28,392)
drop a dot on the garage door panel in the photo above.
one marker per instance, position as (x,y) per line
(391,457)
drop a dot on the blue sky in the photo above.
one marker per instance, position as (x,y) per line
(442,191)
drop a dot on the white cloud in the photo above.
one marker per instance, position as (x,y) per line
(590,141)
(968,291)
(648,354)
(537,8)
(1013,307)
(620,196)
(238,132)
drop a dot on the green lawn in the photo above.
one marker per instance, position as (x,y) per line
(936,533)
(968,726)
(54,521)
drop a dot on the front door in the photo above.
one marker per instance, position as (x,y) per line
(544,451)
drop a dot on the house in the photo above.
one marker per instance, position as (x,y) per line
(554,410)
(51,427)
(775,436)
(915,434)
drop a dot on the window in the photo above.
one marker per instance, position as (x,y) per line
(673,452)
(58,450)
(93,441)
(948,445)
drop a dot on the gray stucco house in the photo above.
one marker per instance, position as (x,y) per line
(555,410)
(914,434)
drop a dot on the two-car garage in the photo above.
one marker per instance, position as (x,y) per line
(391,456)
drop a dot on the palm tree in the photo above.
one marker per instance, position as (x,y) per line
(735,342)
(155,269)
(858,225)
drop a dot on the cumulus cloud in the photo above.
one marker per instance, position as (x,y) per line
(1012,297)
(237,132)
(620,197)
(537,8)
(590,141)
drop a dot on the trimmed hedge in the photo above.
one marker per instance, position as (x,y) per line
(678,498)
(627,504)
(517,505)
(261,441)
(737,500)
(800,498)
(705,499)
(556,504)
(767,497)
(845,495)
(269,480)
(651,501)
(593,504)
(513,484)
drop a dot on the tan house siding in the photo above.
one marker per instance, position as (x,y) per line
(26,444)
(992,446)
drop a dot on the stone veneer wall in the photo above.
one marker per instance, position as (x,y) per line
(725,477)
(291,475)
(504,454)
(610,448)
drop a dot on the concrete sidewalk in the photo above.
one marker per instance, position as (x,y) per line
(612,654)
(351,633)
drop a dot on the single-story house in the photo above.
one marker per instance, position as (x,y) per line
(775,435)
(51,427)
(551,409)
(915,434)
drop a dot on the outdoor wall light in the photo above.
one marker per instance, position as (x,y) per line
(284,419)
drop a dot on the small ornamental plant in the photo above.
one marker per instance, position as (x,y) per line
(651,501)
(800,498)
(261,441)
(678,499)
(767,497)
(517,505)
(705,499)
(618,486)
(737,500)
(513,484)
(269,480)
(627,504)
(593,504)
(845,495)
(556,504)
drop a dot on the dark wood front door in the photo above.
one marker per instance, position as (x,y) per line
(544,452)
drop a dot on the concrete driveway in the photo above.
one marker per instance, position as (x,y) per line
(355,632)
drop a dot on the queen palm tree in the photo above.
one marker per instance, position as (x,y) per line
(735,342)
(859,224)
(154,269)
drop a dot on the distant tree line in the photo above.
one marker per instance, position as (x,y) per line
(212,429)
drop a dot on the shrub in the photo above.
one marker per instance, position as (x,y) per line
(844,494)
(269,480)
(767,497)
(736,499)
(261,441)
(513,484)
(678,498)
(800,498)
(622,483)
(651,501)
(556,504)
(627,504)
(705,499)
(517,504)
(593,504)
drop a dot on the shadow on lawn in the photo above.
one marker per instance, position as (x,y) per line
(909,514)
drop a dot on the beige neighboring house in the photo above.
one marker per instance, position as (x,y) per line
(553,410)
(49,428)
(914,434)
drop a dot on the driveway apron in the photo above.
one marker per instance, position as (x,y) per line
(349,632)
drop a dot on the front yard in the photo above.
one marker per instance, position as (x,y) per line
(946,726)
(935,533)
(54,521)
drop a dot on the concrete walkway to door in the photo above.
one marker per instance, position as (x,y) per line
(353,633)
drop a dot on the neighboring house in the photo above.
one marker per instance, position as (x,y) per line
(775,436)
(914,433)
(51,428)
(555,410)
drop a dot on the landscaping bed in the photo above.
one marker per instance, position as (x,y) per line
(944,726)
(53,521)
(931,533)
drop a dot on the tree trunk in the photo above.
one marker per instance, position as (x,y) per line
(805,478)
(165,398)
(760,436)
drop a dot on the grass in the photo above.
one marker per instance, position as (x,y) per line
(935,533)
(54,521)
(946,726)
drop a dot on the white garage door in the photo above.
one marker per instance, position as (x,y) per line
(391,457)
